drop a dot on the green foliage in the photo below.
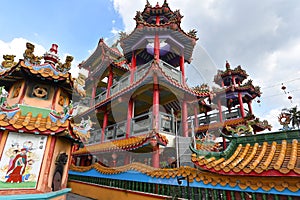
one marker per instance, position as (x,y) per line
(295,117)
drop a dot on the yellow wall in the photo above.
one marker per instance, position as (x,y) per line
(105,193)
(62,146)
(34,101)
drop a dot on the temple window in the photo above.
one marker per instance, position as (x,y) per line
(16,91)
(40,91)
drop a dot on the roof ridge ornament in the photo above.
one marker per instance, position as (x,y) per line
(8,61)
(51,56)
(29,56)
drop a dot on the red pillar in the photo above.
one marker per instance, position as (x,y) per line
(49,160)
(155,102)
(233,80)
(109,82)
(93,94)
(133,67)
(54,99)
(156,42)
(127,158)
(105,120)
(184,117)
(82,160)
(241,104)
(155,156)
(181,64)
(220,111)
(250,107)
(129,117)
(196,116)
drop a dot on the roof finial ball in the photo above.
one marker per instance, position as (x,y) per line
(227,65)
(54,48)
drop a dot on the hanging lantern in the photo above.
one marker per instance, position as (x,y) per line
(283,88)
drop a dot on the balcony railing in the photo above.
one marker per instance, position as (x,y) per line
(215,117)
(171,71)
(138,74)
(139,125)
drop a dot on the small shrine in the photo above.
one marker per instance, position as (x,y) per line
(36,126)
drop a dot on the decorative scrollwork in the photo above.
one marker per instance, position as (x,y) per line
(40,92)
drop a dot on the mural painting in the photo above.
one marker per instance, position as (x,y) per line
(21,161)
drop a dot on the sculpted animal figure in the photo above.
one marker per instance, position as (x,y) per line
(8,61)
(66,66)
(29,56)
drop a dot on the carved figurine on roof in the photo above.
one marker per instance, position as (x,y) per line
(35,123)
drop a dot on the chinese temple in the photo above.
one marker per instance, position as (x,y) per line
(159,138)
(36,127)
(131,127)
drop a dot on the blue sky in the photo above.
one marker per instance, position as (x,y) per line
(75,26)
(263,36)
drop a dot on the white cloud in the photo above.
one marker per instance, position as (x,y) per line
(17,47)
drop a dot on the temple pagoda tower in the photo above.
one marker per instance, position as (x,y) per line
(141,98)
(36,133)
(229,99)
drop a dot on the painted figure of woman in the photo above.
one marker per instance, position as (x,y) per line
(17,168)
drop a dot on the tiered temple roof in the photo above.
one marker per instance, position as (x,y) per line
(272,154)
(168,27)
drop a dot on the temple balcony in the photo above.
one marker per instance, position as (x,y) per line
(141,124)
(215,117)
(124,82)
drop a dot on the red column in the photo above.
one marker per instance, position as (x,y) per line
(109,82)
(233,80)
(184,117)
(49,160)
(155,103)
(82,160)
(196,116)
(23,91)
(250,107)
(220,111)
(105,119)
(156,47)
(241,104)
(181,63)
(156,42)
(127,158)
(54,99)
(228,195)
(133,67)
(129,117)
(93,94)
(155,156)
